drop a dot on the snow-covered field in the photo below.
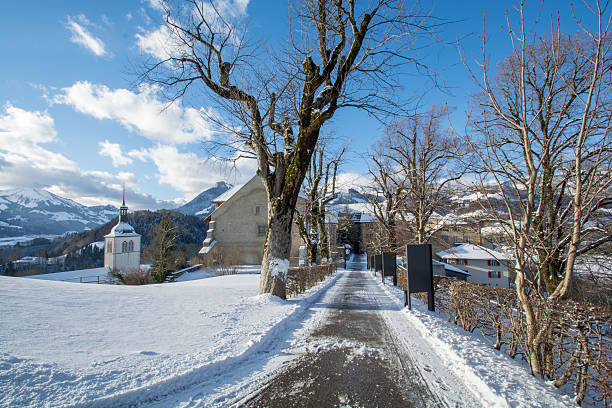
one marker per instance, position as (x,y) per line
(10,241)
(91,275)
(69,344)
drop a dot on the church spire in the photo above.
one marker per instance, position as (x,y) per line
(123,209)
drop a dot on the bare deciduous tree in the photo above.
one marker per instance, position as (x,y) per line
(386,198)
(320,189)
(544,123)
(341,54)
(427,157)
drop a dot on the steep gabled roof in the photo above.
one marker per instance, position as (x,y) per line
(228,194)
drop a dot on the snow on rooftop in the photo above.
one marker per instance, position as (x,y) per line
(122,229)
(226,196)
(471,251)
(450,267)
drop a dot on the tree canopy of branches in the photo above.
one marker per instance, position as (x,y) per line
(343,55)
(545,142)
(427,159)
(412,168)
(386,198)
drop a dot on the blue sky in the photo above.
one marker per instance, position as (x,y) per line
(73,119)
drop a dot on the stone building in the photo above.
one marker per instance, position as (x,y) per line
(237,227)
(122,245)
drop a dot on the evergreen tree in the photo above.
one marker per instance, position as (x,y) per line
(164,247)
(10,269)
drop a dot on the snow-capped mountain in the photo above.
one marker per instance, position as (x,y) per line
(351,196)
(202,205)
(30,211)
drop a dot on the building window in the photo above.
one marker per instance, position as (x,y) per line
(124,246)
(109,246)
(493,262)
(462,261)
(131,246)
(495,274)
(257,210)
(490,274)
(261,230)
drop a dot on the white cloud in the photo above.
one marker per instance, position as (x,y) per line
(141,112)
(26,162)
(22,132)
(157,42)
(156,4)
(190,174)
(113,150)
(80,35)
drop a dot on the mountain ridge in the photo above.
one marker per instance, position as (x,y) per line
(32,211)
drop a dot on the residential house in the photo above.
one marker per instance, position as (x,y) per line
(484,265)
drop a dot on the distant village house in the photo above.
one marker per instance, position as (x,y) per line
(484,265)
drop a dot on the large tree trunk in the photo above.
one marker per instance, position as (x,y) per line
(277,249)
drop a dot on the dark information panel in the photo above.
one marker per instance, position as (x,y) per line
(378,262)
(419,272)
(389,266)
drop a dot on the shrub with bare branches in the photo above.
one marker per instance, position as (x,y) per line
(300,279)
(577,348)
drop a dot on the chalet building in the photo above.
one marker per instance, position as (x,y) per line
(484,265)
(122,245)
(237,226)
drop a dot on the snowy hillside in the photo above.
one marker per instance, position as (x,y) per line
(202,205)
(30,211)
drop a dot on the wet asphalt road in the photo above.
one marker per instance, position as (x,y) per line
(353,359)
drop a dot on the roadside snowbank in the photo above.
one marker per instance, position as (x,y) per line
(65,344)
(492,376)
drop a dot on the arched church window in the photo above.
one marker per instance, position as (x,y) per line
(131,246)
(109,247)
(124,246)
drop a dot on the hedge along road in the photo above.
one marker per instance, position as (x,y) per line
(352,359)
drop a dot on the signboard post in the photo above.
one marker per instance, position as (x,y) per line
(389,266)
(377,263)
(419,273)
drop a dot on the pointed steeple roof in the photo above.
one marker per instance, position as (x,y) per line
(122,228)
